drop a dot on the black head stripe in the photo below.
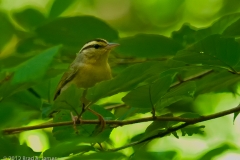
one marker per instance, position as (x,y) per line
(92,46)
(97,43)
(100,40)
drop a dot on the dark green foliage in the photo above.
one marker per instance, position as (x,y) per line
(148,45)
(213,50)
(59,7)
(192,130)
(127,80)
(10,148)
(101,156)
(29,18)
(153,74)
(6,30)
(167,155)
(138,98)
(65,149)
(71,28)
(27,73)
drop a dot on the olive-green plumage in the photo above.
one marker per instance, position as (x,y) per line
(89,67)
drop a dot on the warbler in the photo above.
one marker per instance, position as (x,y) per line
(89,67)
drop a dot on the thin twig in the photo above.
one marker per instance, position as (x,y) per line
(114,106)
(191,78)
(173,129)
(151,102)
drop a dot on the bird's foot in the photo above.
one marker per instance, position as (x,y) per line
(101,120)
(76,120)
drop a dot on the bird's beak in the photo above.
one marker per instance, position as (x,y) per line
(112,45)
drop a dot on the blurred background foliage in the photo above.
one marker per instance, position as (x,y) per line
(162,41)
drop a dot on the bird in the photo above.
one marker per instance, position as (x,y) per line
(88,68)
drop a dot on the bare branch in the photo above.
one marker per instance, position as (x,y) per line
(173,129)
(112,123)
(193,77)
(116,123)
(115,106)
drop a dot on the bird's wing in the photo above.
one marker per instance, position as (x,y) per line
(67,77)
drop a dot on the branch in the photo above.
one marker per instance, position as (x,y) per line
(116,123)
(173,129)
(114,106)
(112,123)
(193,77)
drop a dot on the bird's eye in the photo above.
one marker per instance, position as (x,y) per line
(96,46)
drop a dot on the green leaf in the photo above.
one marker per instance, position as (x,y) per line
(224,22)
(235,116)
(219,26)
(47,88)
(63,133)
(185,35)
(192,130)
(34,68)
(175,134)
(58,7)
(175,94)
(93,130)
(213,50)
(148,45)
(146,96)
(64,149)
(30,44)
(47,111)
(218,82)
(28,73)
(233,29)
(157,126)
(190,115)
(138,98)
(126,80)
(143,155)
(27,99)
(87,133)
(216,151)
(160,87)
(11,148)
(6,30)
(69,99)
(100,156)
(29,18)
(74,31)
(18,112)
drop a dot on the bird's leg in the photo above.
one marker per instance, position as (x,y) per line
(83,110)
(75,120)
(84,101)
(85,106)
(100,118)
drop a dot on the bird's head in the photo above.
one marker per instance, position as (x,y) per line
(97,50)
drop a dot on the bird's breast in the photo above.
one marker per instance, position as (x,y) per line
(88,75)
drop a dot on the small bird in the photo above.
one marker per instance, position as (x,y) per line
(89,67)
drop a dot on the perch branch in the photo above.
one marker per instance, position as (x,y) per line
(173,129)
(116,123)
